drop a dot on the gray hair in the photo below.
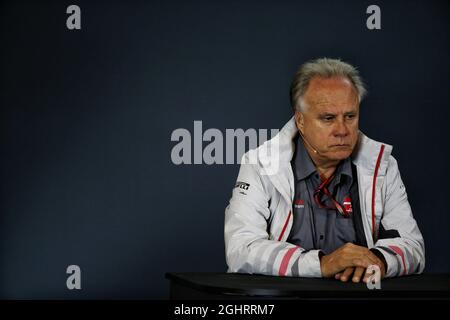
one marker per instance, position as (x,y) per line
(327,68)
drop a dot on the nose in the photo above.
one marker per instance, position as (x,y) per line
(340,129)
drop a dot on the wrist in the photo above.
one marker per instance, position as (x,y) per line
(323,269)
(321,254)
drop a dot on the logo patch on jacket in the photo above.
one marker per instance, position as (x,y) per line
(299,203)
(348,204)
(242,185)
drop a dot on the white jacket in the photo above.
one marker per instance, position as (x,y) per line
(259,216)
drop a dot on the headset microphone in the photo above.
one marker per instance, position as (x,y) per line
(309,144)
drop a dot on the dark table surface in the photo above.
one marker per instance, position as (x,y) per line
(232,285)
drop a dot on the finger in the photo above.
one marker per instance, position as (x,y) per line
(365,261)
(360,262)
(337,276)
(373,261)
(374,258)
(357,274)
(358,251)
(347,273)
(349,259)
(369,272)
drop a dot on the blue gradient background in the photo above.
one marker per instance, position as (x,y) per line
(86,118)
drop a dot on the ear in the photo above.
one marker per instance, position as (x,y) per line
(299,120)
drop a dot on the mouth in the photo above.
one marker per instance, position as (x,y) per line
(340,146)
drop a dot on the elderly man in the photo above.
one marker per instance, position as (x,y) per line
(336,204)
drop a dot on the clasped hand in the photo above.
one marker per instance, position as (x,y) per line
(350,261)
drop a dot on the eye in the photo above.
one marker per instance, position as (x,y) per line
(351,116)
(328,118)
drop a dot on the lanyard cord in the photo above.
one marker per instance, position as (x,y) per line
(323,187)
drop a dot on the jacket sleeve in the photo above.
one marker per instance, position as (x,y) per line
(399,238)
(248,246)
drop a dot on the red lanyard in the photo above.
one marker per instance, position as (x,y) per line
(323,188)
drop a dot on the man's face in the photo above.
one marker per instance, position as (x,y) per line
(330,121)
